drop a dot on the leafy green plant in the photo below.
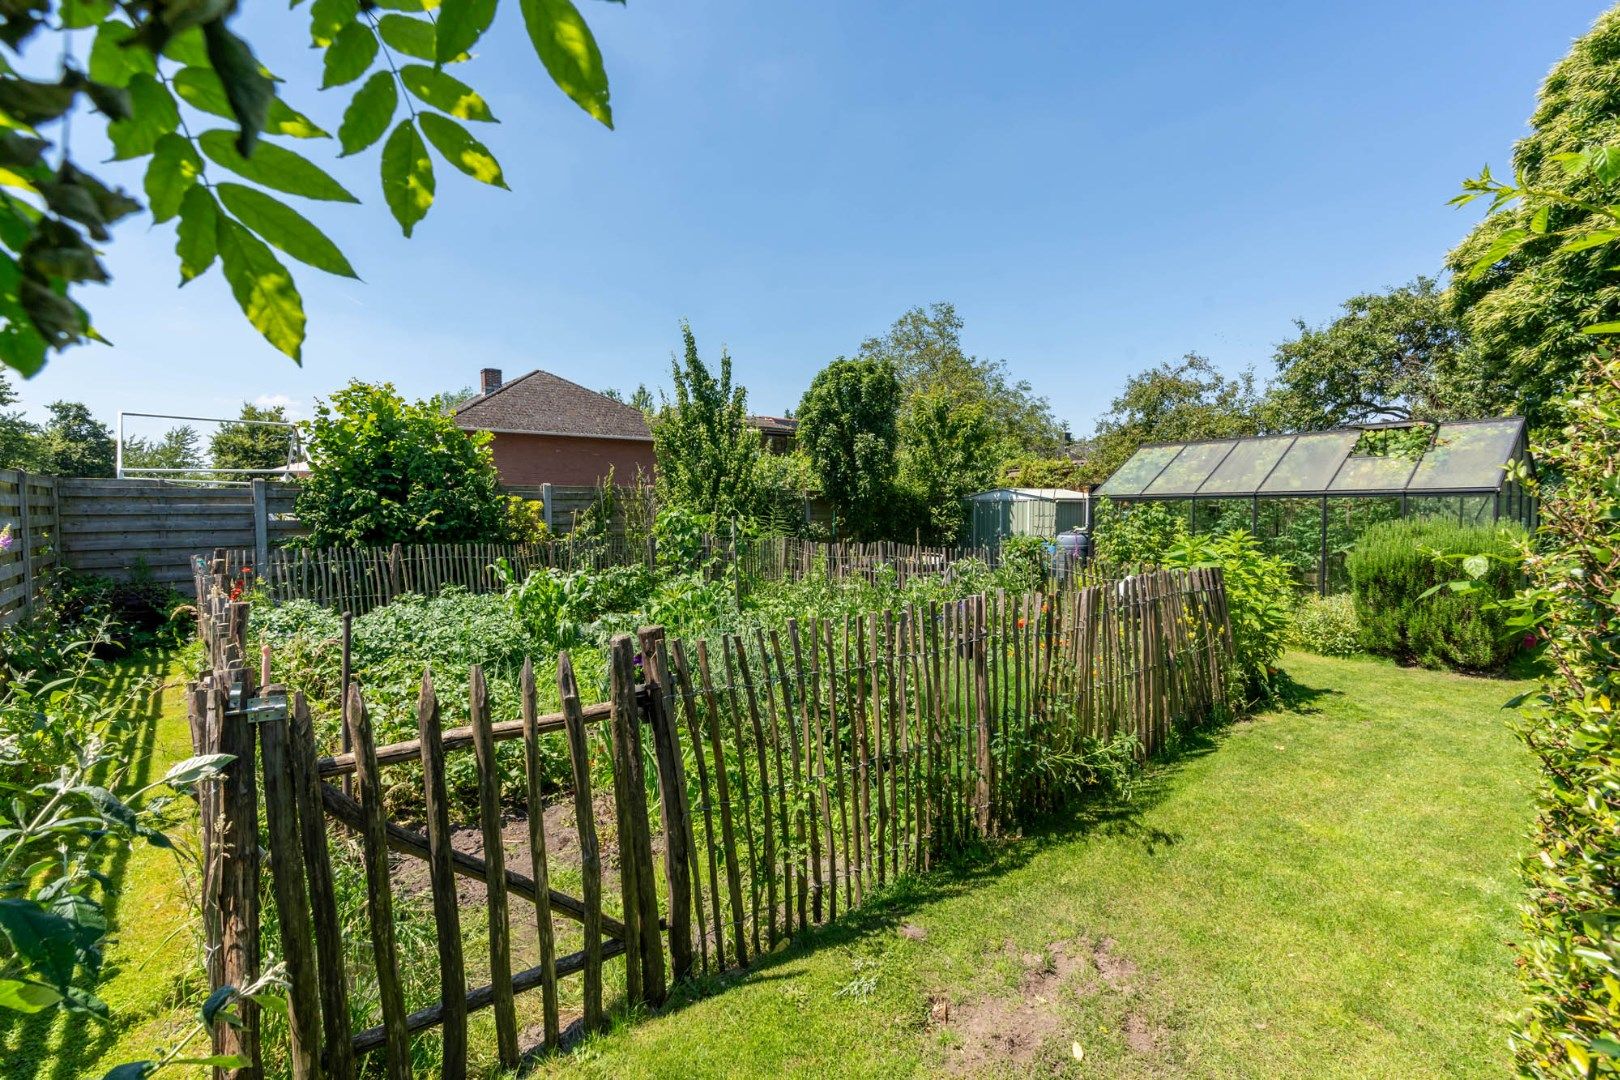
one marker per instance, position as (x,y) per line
(1327,626)
(1394,573)
(385,471)
(1025,563)
(1126,538)
(66,745)
(1259,595)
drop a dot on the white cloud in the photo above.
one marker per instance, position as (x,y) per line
(296,410)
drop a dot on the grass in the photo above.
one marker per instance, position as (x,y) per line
(1325,890)
(152,963)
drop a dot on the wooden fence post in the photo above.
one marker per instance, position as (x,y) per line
(379,891)
(337,1051)
(442,876)
(533,767)
(590,860)
(635,834)
(238,878)
(261,524)
(489,818)
(287,881)
(26,541)
(675,814)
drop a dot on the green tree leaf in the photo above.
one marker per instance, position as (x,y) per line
(80,14)
(248,89)
(153,114)
(274,167)
(461,24)
(175,166)
(328,17)
(407,176)
(445,92)
(197,239)
(369,113)
(26,997)
(263,288)
(568,50)
(349,56)
(201,89)
(111,63)
(461,149)
(283,227)
(413,37)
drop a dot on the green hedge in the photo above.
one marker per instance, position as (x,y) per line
(1395,564)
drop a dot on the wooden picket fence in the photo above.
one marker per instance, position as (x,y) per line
(359,579)
(796,773)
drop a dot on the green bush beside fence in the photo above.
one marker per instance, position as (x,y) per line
(1392,571)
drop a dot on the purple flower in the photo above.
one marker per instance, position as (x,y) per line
(7,540)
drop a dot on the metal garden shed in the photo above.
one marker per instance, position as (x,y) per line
(1004,512)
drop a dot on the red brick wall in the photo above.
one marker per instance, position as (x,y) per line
(559,459)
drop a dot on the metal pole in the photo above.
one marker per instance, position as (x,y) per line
(118,452)
(1322,564)
(261,525)
(1254,516)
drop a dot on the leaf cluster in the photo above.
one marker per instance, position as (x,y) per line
(159,70)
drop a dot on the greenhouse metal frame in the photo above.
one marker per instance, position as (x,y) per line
(1463,459)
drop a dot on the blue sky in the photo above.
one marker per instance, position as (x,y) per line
(1097,187)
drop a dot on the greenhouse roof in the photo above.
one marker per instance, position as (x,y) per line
(1466,456)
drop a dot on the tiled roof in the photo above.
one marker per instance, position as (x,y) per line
(775,425)
(541,403)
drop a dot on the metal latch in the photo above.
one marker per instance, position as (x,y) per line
(264,709)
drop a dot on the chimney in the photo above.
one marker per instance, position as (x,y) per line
(489,380)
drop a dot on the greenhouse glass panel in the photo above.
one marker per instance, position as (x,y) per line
(1246,466)
(1139,471)
(1311,462)
(1369,473)
(1190,469)
(1467,456)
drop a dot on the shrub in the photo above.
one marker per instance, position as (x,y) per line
(1132,538)
(1024,563)
(386,471)
(1327,626)
(1395,567)
(1569,952)
(1259,600)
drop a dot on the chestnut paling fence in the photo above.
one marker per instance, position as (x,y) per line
(358,579)
(786,774)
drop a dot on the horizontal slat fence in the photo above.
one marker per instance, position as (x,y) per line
(120,527)
(28,505)
(795,773)
(358,579)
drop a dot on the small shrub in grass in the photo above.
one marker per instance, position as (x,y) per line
(1327,626)
(1024,562)
(1393,573)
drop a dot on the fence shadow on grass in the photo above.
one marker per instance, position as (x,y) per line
(1094,813)
(66,1046)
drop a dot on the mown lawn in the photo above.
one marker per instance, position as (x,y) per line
(152,963)
(1325,890)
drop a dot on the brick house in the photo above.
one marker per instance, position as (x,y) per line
(548,430)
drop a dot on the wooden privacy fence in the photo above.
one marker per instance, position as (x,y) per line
(794,773)
(358,579)
(28,507)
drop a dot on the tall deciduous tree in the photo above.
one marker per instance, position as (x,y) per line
(948,454)
(75,443)
(19,439)
(1187,399)
(849,424)
(253,446)
(1396,355)
(703,443)
(386,471)
(155,77)
(1533,276)
(177,449)
(925,348)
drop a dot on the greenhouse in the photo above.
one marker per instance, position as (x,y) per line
(1308,496)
